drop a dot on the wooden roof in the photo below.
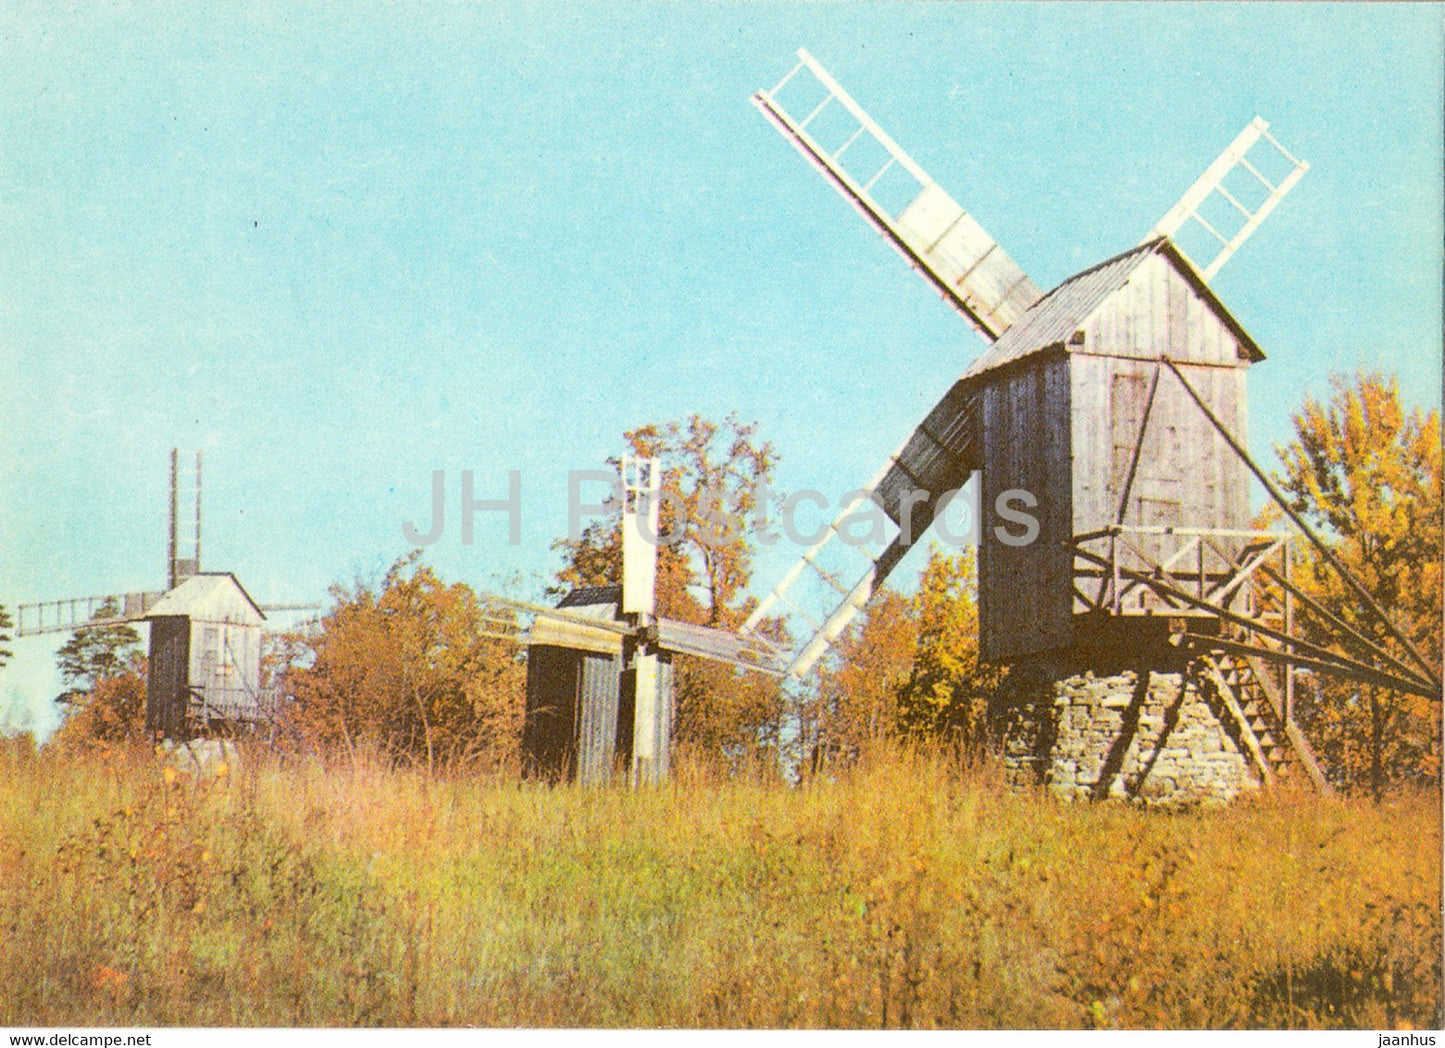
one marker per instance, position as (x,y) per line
(1056,316)
(210,596)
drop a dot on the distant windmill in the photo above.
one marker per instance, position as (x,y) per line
(600,664)
(204,664)
(1115,402)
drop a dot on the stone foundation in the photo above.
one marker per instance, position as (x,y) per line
(1161,740)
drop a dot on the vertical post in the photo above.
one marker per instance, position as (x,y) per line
(1114,571)
(175,508)
(1200,559)
(642,502)
(1289,632)
(198,511)
(646,763)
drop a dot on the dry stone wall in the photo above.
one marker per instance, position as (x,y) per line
(1156,737)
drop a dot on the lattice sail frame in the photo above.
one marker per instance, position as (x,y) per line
(933,233)
(1211,184)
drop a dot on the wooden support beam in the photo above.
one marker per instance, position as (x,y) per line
(1327,659)
(1226,696)
(1351,670)
(1138,449)
(1313,605)
(1430,671)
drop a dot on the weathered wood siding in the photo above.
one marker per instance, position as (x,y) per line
(225,666)
(1186,474)
(166,676)
(598,698)
(1025,592)
(579,714)
(1159,311)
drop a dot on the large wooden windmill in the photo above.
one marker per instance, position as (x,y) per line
(1105,420)
(204,655)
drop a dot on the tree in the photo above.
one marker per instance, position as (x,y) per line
(112,712)
(858,691)
(911,669)
(1366,473)
(948,691)
(709,470)
(406,671)
(106,674)
(97,653)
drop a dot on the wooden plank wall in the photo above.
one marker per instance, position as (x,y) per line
(549,731)
(166,678)
(1025,592)
(226,666)
(1158,311)
(1186,476)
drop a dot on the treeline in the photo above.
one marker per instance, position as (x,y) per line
(410,667)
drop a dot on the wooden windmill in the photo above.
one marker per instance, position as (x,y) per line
(1105,416)
(600,664)
(204,654)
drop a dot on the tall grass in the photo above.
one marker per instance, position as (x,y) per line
(906,894)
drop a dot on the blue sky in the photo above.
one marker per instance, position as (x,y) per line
(337,246)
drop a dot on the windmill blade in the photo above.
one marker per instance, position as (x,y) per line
(928,228)
(1233,221)
(78,613)
(936,460)
(750,652)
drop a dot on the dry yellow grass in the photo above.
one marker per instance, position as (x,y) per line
(906,894)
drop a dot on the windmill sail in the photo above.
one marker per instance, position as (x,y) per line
(78,613)
(1237,212)
(932,232)
(910,489)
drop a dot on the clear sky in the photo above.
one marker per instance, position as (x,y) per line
(339,245)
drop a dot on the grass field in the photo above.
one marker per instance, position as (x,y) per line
(907,894)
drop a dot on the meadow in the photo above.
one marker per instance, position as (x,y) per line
(906,893)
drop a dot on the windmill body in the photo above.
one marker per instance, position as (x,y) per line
(582,693)
(204,668)
(1072,405)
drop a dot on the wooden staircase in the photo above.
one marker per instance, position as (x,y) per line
(1276,746)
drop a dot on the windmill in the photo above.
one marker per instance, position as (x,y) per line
(1103,417)
(600,664)
(204,655)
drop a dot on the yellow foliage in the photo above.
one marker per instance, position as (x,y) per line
(911,667)
(406,671)
(1367,474)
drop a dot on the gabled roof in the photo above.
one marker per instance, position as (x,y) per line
(1056,316)
(203,596)
(587,596)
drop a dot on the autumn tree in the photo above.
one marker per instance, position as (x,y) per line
(859,687)
(1366,473)
(406,670)
(106,694)
(911,668)
(948,691)
(714,476)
